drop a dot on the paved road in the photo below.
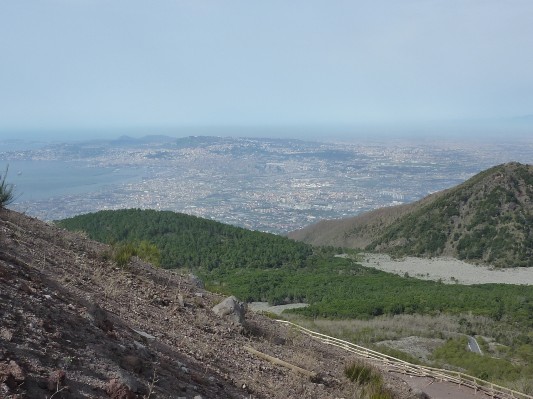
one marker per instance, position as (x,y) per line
(473,345)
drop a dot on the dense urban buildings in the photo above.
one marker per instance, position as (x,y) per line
(271,185)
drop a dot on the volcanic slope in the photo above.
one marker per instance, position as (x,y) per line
(74,325)
(487,219)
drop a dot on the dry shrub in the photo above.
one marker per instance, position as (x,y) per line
(369,379)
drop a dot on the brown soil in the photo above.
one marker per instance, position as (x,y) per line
(351,232)
(73,325)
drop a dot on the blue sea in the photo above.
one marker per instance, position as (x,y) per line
(37,180)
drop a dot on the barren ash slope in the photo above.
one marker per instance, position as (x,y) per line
(73,325)
(487,219)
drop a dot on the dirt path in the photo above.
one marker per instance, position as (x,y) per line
(440,390)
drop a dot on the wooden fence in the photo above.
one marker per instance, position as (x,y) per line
(401,366)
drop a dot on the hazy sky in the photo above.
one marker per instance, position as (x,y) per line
(99,64)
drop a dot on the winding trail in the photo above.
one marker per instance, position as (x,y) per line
(436,383)
(473,345)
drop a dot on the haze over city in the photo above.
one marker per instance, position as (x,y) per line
(92,68)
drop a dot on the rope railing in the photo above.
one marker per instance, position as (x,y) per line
(401,366)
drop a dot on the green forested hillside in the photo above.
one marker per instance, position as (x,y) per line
(340,288)
(258,266)
(186,241)
(488,218)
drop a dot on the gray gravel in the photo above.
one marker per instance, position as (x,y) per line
(448,270)
(278,309)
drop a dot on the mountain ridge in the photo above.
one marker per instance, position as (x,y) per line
(486,219)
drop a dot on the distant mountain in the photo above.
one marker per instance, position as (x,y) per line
(200,141)
(150,139)
(487,219)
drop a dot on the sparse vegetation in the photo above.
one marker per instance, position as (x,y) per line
(507,356)
(128,308)
(124,251)
(151,385)
(361,373)
(455,353)
(369,379)
(7,195)
(243,263)
(122,254)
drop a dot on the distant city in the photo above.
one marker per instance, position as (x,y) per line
(274,185)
